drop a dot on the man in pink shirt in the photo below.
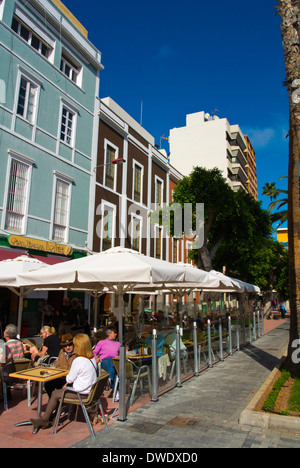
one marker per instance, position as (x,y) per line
(104,351)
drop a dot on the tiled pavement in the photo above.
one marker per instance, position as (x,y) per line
(204,412)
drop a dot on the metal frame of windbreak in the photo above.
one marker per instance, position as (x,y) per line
(233,342)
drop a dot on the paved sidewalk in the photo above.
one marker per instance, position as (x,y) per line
(204,412)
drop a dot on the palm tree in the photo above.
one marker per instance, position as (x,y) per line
(282,215)
(290,27)
(271,191)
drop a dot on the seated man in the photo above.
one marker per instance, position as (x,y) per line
(64,361)
(105,350)
(14,351)
(160,344)
(14,347)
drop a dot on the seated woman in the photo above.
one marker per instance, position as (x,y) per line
(83,374)
(104,351)
(51,345)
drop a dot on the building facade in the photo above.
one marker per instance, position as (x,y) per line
(251,169)
(49,82)
(210,142)
(127,192)
(133,179)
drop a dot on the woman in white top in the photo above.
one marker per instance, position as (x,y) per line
(82,375)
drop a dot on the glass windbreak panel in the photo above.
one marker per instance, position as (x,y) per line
(193,333)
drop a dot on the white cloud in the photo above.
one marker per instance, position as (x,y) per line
(260,138)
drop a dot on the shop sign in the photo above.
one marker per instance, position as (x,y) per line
(35,244)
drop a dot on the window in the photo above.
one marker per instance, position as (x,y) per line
(108,227)
(189,247)
(69,68)
(26,33)
(111,153)
(175,250)
(17,196)
(137,183)
(158,242)
(27,99)
(136,233)
(158,192)
(61,210)
(67,126)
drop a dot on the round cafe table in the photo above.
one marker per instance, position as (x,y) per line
(40,374)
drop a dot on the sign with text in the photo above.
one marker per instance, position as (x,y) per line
(35,244)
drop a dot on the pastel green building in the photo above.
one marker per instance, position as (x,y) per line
(49,85)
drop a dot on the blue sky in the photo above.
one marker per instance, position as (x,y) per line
(184,57)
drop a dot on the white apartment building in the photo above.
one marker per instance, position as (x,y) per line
(210,142)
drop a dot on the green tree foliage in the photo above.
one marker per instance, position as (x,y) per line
(271,191)
(237,231)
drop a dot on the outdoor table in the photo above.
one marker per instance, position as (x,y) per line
(40,374)
(139,359)
(138,356)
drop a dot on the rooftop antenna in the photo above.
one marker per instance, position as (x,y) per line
(163,138)
(141,119)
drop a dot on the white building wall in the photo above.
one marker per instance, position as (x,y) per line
(200,143)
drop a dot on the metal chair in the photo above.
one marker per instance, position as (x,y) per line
(135,374)
(48,362)
(8,382)
(44,361)
(85,401)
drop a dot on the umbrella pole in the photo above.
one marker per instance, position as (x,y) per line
(122,376)
(96,297)
(20,312)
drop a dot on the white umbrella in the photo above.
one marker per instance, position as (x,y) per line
(195,279)
(241,285)
(10,269)
(234,286)
(118,269)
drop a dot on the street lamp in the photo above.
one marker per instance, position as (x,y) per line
(114,161)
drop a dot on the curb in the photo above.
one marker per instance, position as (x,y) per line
(252,416)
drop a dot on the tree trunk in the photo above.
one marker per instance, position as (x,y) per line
(205,258)
(289,11)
